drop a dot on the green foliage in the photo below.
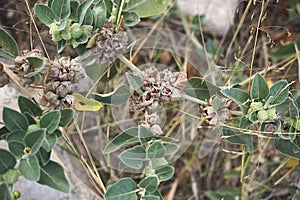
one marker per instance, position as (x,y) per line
(5,193)
(8,46)
(124,189)
(117,97)
(150,184)
(148,7)
(31,144)
(134,157)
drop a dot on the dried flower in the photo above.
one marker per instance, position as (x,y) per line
(158,89)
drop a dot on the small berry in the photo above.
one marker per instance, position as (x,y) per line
(146,84)
(148,96)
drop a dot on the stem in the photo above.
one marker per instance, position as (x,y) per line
(129,64)
(198,101)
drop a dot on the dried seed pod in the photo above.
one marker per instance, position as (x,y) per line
(4,79)
(156,129)
(64,89)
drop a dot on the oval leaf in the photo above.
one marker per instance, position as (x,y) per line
(131,18)
(30,168)
(61,8)
(145,135)
(165,173)
(14,120)
(127,137)
(5,193)
(99,11)
(150,183)
(135,82)
(240,97)
(148,8)
(35,139)
(280,92)
(8,46)
(44,13)
(124,189)
(82,10)
(53,176)
(28,106)
(133,157)
(117,97)
(7,161)
(82,103)
(156,150)
(259,88)
(37,63)
(50,121)
(49,142)
(287,147)
(67,116)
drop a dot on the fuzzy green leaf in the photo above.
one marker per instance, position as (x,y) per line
(67,116)
(135,82)
(7,161)
(259,88)
(133,157)
(8,46)
(148,8)
(117,97)
(145,135)
(131,18)
(124,189)
(237,137)
(44,13)
(239,96)
(165,173)
(49,142)
(156,150)
(61,8)
(30,168)
(4,192)
(280,92)
(150,183)
(287,147)
(171,148)
(127,137)
(14,120)
(51,121)
(82,10)
(99,11)
(35,139)
(53,176)
(28,106)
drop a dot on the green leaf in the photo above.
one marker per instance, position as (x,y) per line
(82,10)
(4,192)
(35,139)
(157,163)
(30,168)
(67,116)
(28,106)
(74,6)
(171,148)
(135,82)
(61,45)
(148,8)
(14,120)
(44,13)
(16,148)
(200,88)
(49,142)
(145,135)
(88,19)
(239,96)
(280,92)
(156,150)
(16,136)
(259,88)
(127,137)
(124,189)
(3,132)
(117,97)
(237,137)
(99,11)
(150,197)
(165,173)
(61,8)
(43,156)
(150,183)
(8,46)
(51,121)
(133,157)
(7,161)
(53,176)
(287,147)
(131,18)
